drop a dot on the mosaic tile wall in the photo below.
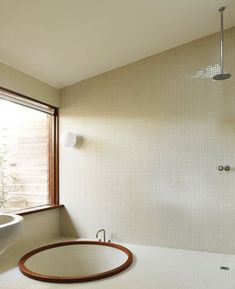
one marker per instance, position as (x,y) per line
(155,132)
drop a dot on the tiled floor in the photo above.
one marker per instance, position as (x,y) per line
(153,268)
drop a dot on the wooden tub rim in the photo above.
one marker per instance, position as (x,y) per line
(64,279)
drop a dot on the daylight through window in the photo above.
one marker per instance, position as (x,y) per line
(27,153)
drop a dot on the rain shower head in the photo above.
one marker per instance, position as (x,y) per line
(221,75)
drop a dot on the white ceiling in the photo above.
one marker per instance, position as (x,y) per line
(63,41)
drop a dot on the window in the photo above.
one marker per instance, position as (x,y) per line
(28,153)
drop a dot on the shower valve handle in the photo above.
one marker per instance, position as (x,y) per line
(226,168)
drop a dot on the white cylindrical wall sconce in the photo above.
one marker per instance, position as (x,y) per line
(69,139)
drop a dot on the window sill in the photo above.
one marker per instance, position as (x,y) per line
(36,210)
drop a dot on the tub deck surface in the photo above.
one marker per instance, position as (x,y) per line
(153,268)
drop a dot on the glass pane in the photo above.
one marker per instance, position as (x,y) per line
(24,157)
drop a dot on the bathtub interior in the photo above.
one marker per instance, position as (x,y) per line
(76,260)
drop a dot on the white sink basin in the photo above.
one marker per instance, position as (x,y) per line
(9,227)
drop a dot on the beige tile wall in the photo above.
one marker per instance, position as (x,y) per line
(154,133)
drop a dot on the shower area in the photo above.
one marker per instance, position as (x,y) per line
(157,165)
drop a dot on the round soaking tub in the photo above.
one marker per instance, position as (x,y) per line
(75,261)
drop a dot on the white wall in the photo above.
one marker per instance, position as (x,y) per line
(22,83)
(154,134)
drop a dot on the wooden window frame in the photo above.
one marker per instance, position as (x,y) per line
(53,157)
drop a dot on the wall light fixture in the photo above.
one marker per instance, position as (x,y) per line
(69,139)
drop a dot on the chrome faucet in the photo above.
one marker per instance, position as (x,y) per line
(97,234)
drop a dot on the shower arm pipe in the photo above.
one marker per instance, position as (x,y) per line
(221,10)
(221,75)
